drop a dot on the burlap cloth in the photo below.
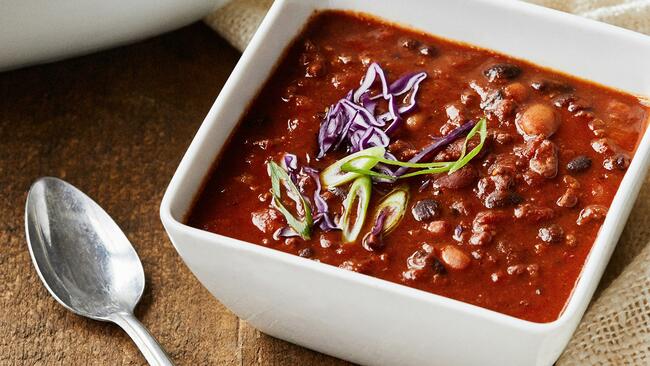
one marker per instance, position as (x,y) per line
(616,327)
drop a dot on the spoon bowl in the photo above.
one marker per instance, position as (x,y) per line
(85,261)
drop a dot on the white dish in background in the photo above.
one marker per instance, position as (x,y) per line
(370,321)
(33,31)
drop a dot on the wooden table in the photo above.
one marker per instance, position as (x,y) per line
(116,124)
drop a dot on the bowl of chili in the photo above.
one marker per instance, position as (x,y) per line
(394,186)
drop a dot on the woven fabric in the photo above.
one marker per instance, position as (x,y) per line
(616,327)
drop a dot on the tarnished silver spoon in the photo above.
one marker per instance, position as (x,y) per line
(85,261)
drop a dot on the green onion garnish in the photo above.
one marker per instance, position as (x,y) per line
(279,178)
(350,163)
(359,193)
(481,128)
(333,175)
(394,207)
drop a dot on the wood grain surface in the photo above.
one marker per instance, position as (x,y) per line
(116,124)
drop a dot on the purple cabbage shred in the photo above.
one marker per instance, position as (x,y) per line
(352,122)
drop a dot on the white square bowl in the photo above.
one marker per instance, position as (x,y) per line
(370,321)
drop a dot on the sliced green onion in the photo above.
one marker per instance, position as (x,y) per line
(350,166)
(381,159)
(394,205)
(280,177)
(334,176)
(427,171)
(351,163)
(438,167)
(360,193)
(367,172)
(481,128)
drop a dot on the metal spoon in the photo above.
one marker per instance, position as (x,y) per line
(85,261)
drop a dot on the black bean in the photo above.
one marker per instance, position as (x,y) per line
(425,210)
(551,234)
(501,72)
(499,199)
(438,267)
(579,163)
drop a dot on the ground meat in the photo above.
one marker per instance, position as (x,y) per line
(496,190)
(620,161)
(459,207)
(597,126)
(437,228)
(402,150)
(487,220)
(306,253)
(516,269)
(491,193)
(484,226)
(592,213)
(571,182)
(480,239)
(503,138)
(545,160)
(497,106)
(532,213)
(551,234)
(602,146)
(568,199)
(462,178)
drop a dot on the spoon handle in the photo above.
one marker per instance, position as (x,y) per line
(150,348)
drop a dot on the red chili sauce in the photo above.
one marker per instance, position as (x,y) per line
(510,231)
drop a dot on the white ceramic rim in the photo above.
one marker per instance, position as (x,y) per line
(594,264)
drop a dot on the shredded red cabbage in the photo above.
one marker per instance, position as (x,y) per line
(323,217)
(285,232)
(290,164)
(352,121)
